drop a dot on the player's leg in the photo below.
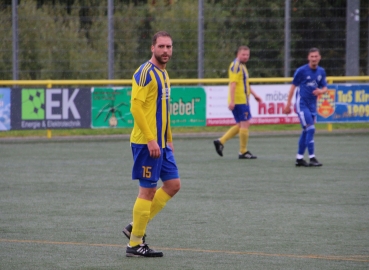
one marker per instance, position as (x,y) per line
(141,215)
(307,119)
(219,143)
(301,144)
(141,212)
(163,195)
(244,136)
(171,183)
(302,112)
(147,171)
(310,132)
(244,116)
(302,140)
(233,131)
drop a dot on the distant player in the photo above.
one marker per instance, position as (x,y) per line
(238,103)
(310,82)
(151,143)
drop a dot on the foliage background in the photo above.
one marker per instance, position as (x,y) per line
(67,39)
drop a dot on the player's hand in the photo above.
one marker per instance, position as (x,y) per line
(154,149)
(258,99)
(317,92)
(287,109)
(170,145)
(231,106)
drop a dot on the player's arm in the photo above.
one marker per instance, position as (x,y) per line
(287,108)
(257,98)
(169,135)
(297,79)
(321,91)
(323,86)
(232,92)
(140,119)
(235,75)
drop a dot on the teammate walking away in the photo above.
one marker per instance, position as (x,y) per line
(310,82)
(151,143)
(238,103)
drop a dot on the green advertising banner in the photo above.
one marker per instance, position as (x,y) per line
(111,107)
(187,107)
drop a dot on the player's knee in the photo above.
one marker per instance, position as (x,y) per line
(176,186)
(310,127)
(172,186)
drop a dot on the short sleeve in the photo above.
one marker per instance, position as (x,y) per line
(234,72)
(141,84)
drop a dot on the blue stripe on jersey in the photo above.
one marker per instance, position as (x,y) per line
(167,104)
(159,108)
(141,76)
(244,83)
(298,97)
(236,66)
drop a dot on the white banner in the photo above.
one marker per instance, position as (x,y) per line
(269,111)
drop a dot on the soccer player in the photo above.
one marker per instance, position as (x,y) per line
(151,143)
(238,103)
(310,82)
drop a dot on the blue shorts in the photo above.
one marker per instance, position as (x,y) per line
(148,170)
(306,112)
(241,112)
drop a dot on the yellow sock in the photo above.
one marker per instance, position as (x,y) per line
(244,138)
(233,131)
(160,200)
(141,214)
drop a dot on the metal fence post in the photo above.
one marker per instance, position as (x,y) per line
(15,38)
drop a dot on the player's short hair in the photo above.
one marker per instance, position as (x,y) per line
(314,50)
(160,34)
(242,48)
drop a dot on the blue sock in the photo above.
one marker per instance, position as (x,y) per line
(310,139)
(302,143)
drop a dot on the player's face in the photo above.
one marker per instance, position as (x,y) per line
(314,58)
(243,56)
(162,50)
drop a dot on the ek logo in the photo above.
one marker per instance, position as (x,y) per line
(55,104)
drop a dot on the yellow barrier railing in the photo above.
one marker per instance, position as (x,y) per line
(50,83)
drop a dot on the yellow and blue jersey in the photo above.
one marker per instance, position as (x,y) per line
(151,85)
(238,73)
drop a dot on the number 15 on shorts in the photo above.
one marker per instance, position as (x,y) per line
(146,172)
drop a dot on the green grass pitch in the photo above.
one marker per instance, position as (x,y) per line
(63,206)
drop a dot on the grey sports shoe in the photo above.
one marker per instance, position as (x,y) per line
(247,155)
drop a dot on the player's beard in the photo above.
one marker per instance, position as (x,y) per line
(243,61)
(159,58)
(314,65)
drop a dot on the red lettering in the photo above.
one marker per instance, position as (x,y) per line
(262,106)
(280,107)
(271,108)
